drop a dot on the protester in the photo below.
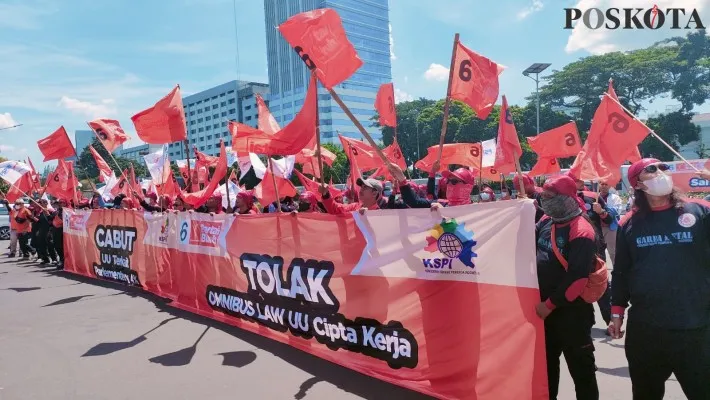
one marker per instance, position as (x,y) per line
(23,217)
(96,201)
(40,230)
(308,202)
(459,185)
(13,229)
(505,193)
(568,318)
(57,232)
(127,203)
(531,191)
(370,198)
(164,203)
(614,206)
(661,268)
(487,194)
(245,203)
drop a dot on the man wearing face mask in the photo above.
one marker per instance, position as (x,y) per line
(532,191)
(370,198)
(458,188)
(568,318)
(662,269)
(487,194)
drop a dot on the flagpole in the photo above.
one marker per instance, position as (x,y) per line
(320,158)
(109,153)
(654,134)
(352,177)
(359,126)
(480,175)
(521,182)
(447,102)
(188,187)
(276,188)
(28,196)
(226,184)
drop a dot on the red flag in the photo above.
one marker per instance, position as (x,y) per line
(266,193)
(24,184)
(612,133)
(367,158)
(508,145)
(634,153)
(290,140)
(266,122)
(203,160)
(475,80)
(109,132)
(199,198)
(464,154)
(312,186)
(170,188)
(62,183)
(309,162)
(164,122)
(123,186)
(104,170)
(545,166)
(384,104)
(36,184)
(56,146)
(493,173)
(319,39)
(394,154)
(561,142)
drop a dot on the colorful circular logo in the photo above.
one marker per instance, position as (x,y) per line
(687,220)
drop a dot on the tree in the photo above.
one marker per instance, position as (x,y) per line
(4,186)
(86,167)
(675,128)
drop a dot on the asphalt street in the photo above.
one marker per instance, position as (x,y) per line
(68,337)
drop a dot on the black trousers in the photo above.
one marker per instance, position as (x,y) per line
(40,242)
(24,239)
(568,331)
(656,353)
(58,238)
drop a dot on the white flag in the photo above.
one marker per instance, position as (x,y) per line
(105,191)
(233,191)
(283,167)
(489,153)
(259,167)
(12,171)
(158,165)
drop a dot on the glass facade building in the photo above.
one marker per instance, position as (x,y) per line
(366,23)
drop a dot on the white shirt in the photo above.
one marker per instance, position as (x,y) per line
(614,201)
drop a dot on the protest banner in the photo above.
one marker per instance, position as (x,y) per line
(439,302)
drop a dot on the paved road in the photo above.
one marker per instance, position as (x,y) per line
(66,337)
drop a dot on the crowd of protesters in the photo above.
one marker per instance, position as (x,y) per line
(659,249)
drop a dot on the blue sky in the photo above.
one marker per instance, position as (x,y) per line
(66,62)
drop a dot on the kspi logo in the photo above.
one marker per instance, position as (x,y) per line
(164,230)
(453,241)
(634,18)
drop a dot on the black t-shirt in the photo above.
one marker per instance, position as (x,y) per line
(662,266)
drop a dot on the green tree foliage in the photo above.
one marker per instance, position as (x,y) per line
(86,166)
(677,130)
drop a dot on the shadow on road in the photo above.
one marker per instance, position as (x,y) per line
(181,357)
(67,300)
(106,348)
(620,371)
(23,289)
(238,359)
(321,370)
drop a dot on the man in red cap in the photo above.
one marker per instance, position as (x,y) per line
(371,197)
(532,191)
(662,269)
(459,185)
(487,194)
(568,318)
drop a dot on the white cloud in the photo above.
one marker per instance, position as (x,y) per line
(25,14)
(7,121)
(436,72)
(401,95)
(536,6)
(105,108)
(602,40)
(11,149)
(392,56)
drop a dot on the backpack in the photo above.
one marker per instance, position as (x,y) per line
(598,278)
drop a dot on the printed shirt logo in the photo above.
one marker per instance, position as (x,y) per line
(452,240)
(686,220)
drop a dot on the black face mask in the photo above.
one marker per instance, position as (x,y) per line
(560,208)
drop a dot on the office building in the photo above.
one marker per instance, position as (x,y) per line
(366,24)
(207,114)
(699,148)
(136,153)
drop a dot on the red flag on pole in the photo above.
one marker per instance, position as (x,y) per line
(109,132)
(464,154)
(559,142)
(164,122)
(266,122)
(384,104)
(475,80)
(199,198)
(104,170)
(319,39)
(634,153)
(290,140)
(62,183)
(508,145)
(56,146)
(367,158)
(36,185)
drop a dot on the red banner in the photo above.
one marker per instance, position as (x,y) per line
(444,312)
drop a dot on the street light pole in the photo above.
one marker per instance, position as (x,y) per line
(536,69)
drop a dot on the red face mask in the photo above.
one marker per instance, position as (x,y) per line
(459,194)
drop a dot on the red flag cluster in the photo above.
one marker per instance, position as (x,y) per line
(560,142)
(56,146)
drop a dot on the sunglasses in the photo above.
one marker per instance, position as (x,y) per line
(656,167)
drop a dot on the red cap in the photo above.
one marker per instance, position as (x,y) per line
(153,196)
(527,180)
(636,168)
(462,174)
(563,185)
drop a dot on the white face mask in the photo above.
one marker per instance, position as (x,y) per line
(485,196)
(660,185)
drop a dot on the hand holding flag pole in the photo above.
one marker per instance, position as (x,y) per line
(653,133)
